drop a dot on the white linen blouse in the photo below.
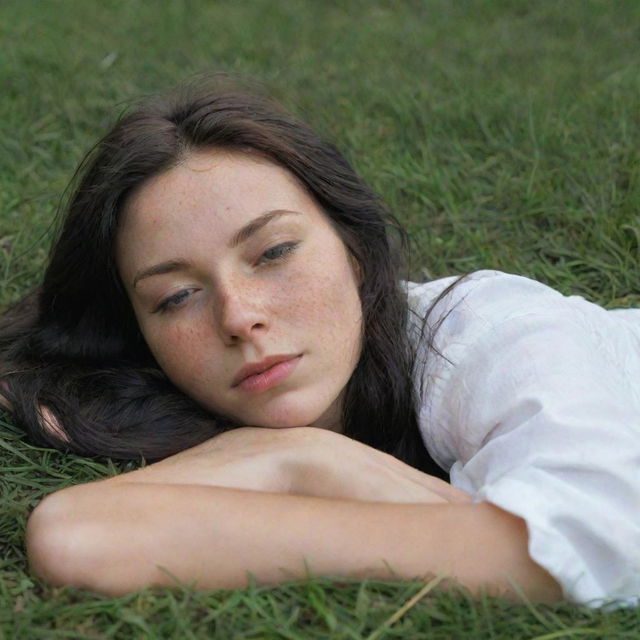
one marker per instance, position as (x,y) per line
(533,404)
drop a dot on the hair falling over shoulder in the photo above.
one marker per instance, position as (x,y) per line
(75,369)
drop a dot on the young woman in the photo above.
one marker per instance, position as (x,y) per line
(224,297)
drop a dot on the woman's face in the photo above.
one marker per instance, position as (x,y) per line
(244,292)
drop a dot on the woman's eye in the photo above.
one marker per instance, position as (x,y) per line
(278,252)
(173,301)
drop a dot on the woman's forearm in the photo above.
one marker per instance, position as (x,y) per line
(301,460)
(120,537)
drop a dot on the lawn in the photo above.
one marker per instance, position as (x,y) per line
(505,134)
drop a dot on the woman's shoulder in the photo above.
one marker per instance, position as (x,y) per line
(490,302)
(497,331)
(487,313)
(486,293)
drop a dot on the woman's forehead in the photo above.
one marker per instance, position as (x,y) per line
(216,178)
(207,198)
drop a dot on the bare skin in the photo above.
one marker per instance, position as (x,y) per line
(278,503)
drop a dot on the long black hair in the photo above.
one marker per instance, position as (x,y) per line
(73,348)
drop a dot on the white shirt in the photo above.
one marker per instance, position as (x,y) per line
(534,406)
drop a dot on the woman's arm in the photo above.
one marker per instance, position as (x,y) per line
(224,508)
(302,460)
(118,537)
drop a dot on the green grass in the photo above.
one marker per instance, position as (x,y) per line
(505,134)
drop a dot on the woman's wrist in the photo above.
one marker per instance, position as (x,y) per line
(330,465)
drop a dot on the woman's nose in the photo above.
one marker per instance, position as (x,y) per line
(241,314)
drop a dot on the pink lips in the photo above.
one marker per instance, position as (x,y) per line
(261,376)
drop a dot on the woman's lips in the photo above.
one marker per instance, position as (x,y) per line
(269,377)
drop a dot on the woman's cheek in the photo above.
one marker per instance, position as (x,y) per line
(176,350)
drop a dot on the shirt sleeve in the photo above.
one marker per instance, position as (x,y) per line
(533,404)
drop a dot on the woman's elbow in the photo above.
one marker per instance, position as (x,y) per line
(51,539)
(63,542)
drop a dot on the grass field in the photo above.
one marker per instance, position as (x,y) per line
(504,133)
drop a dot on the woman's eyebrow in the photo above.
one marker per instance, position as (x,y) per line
(257,223)
(159,269)
(242,235)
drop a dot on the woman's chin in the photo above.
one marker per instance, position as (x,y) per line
(291,419)
(292,410)
(288,422)
(328,419)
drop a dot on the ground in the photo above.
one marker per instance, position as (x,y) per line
(504,135)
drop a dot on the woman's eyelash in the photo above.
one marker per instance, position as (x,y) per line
(279,252)
(173,301)
(271,255)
